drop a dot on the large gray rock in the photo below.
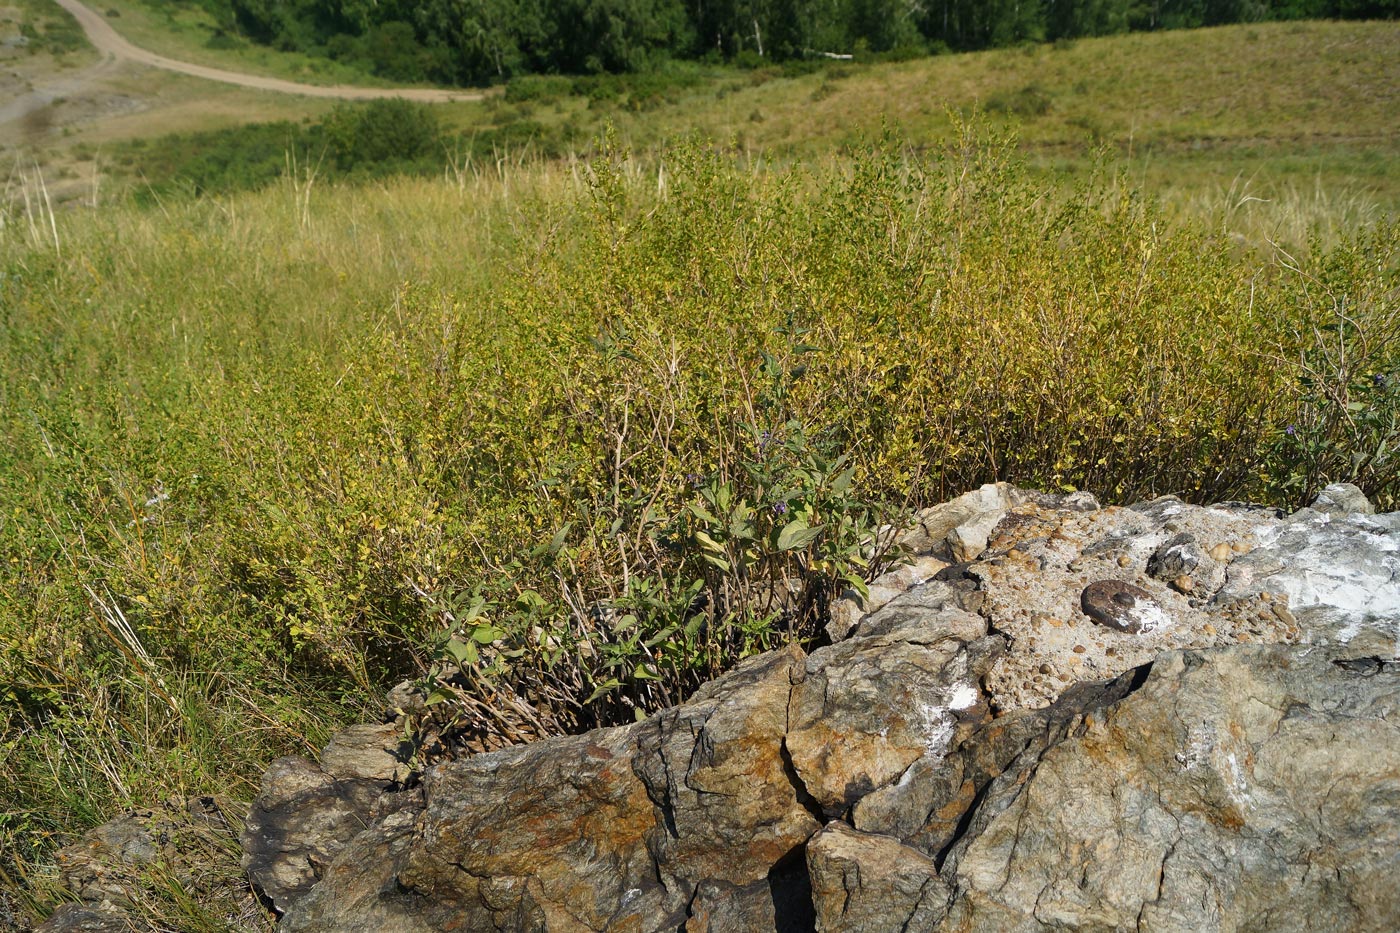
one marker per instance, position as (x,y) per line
(964,704)
(1246,788)
(307,813)
(868,882)
(1342,499)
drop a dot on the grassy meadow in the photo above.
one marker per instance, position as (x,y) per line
(546,434)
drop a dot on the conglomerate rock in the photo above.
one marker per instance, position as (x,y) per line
(1059,716)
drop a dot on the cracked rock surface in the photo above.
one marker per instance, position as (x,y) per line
(1246,788)
(973,752)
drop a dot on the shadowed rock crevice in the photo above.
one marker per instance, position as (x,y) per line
(804,797)
(791,889)
(1368,667)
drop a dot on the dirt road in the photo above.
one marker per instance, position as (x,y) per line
(101,34)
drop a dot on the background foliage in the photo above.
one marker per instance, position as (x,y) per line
(450,42)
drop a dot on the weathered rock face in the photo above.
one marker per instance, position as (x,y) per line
(864,710)
(1247,788)
(616,829)
(862,881)
(306,814)
(1160,717)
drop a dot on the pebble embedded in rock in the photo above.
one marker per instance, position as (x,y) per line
(1122,607)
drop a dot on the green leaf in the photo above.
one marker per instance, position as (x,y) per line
(463,652)
(473,612)
(717,561)
(557,542)
(857,583)
(660,636)
(641,672)
(708,543)
(702,513)
(606,687)
(796,534)
(486,634)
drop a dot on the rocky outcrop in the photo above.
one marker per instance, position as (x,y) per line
(306,814)
(621,828)
(1256,787)
(171,845)
(1163,717)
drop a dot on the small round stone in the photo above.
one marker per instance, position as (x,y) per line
(1122,607)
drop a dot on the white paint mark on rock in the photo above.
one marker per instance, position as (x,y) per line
(938,727)
(965,696)
(1149,618)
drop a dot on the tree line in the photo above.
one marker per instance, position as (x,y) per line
(478,41)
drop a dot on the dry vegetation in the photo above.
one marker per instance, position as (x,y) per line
(549,429)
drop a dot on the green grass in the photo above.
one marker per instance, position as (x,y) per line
(48,29)
(1286,103)
(54,42)
(263,453)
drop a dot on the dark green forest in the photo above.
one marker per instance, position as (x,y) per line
(479,41)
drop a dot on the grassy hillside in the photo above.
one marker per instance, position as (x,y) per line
(1277,111)
(551,429)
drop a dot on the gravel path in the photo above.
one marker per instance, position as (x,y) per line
(116,49)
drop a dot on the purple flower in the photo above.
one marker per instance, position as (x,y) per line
(780,508)
(1290,430)
(1380,380)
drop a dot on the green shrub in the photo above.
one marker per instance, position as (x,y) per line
(1029,101)
(382,134)
(539,88)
